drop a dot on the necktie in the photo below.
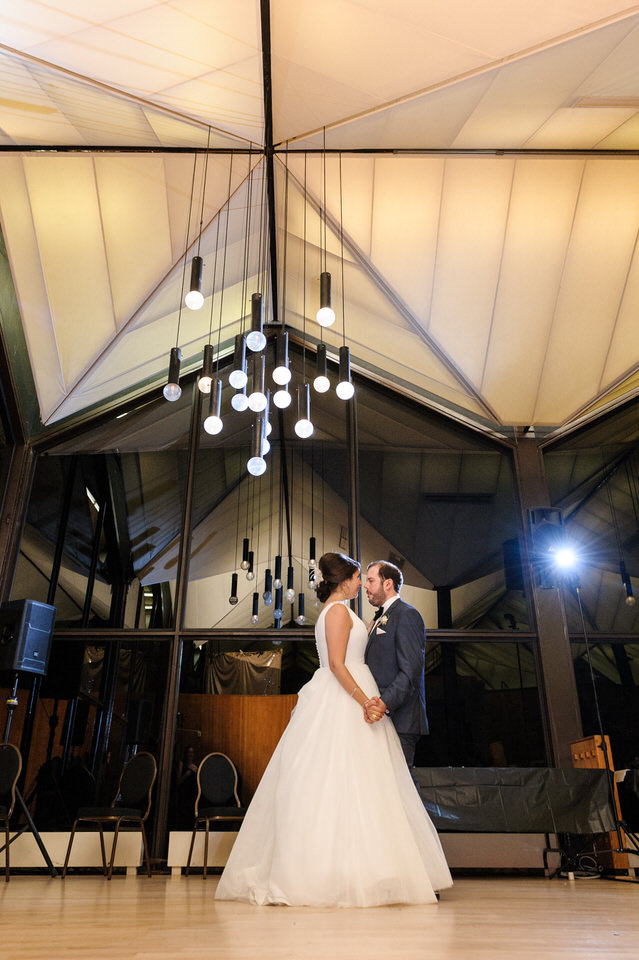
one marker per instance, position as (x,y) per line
(378,613)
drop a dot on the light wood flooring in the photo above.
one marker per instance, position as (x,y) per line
(88,918)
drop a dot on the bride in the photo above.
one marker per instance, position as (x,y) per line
(336,820)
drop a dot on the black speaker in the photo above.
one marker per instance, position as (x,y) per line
(26,627)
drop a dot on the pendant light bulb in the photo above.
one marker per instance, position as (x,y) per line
(321,383)
(238,376)
(256,340)
(172,389)
(267,596)
(301,613)
(277,579)
(257,398)
(194,298)
(281,374)
(344,388)
(250,573)
(282,398)
(213,423)
(206,377)
(233,597)
(239,400)
(256,465)
(277,612)
(290,591)
(255,611)
(325,316)
(304,426)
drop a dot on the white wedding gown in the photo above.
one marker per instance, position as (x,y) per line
(336,820)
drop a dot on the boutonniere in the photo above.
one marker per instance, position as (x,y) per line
(383,621)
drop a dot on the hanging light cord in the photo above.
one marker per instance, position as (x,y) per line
(247,229)
(284,259)
(341,239)
(186,250)
(206,167)
(217,247)
(226,246)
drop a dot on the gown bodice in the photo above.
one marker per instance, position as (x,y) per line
(357,640)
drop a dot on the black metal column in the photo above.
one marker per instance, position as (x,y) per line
(169,717)
(556,671)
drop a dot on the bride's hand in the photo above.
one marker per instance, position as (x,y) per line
(373,710)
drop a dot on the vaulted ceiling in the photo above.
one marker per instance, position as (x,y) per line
(477,160)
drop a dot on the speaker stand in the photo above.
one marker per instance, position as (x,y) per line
(12,703)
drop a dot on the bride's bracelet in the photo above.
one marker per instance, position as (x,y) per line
(355,688)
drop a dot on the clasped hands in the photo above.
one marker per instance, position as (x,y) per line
(374,710)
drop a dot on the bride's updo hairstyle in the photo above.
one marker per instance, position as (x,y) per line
(335,568)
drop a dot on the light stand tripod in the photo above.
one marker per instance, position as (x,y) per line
(621,827)
(12,703)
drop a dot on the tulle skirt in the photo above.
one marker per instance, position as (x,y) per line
(336,819)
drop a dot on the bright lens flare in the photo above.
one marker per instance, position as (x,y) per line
(565,558)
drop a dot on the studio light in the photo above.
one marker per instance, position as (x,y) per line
(565,557)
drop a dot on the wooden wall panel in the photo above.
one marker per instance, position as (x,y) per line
(246,728)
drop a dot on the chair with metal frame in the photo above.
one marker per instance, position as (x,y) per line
(217,800)
(131,805)
(10,767)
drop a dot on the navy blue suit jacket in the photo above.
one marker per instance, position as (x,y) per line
(395,654)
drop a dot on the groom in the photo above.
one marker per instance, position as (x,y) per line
(395,654)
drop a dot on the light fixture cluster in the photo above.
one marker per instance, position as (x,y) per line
(274,593)
(248,376)
(248,379)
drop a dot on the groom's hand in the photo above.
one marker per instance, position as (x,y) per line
(374,710)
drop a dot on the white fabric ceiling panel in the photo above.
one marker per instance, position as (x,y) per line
(68,228)
(407,252)
(475,201)
(599,257)
(544,196)
(135,222)
(328,60)
(573,128)
(431,121)
(623,355)
(544,81)
(26,268)
(156,49)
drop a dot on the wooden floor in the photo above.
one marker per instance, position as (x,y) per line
(88,918)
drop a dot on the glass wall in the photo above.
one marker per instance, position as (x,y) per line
(483,705)
(439,500)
